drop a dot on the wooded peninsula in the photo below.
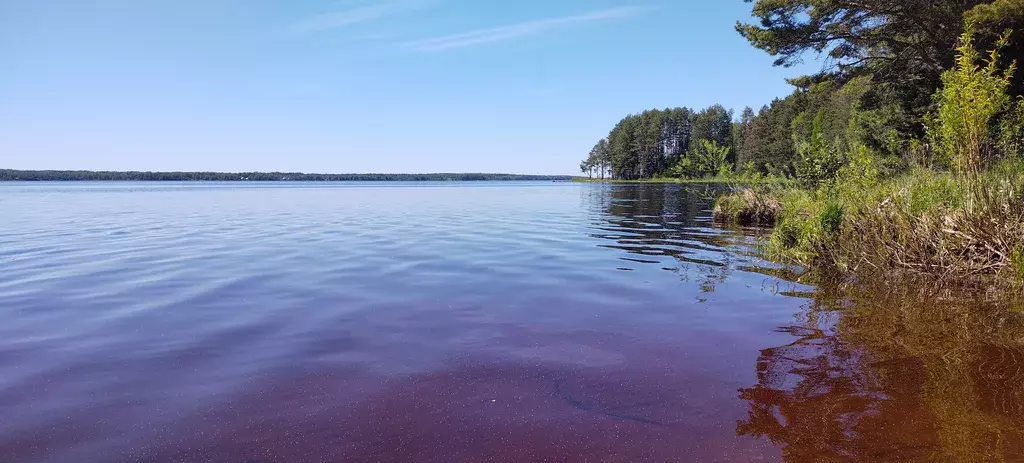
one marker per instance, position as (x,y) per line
(905,152)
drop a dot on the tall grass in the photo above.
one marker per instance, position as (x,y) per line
(925,222)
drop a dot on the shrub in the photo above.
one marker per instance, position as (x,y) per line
(786,236)
(818,160)
(706,160)
(968,103)
(1011,131)
(831,219)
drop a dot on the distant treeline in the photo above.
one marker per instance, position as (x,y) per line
(80,175)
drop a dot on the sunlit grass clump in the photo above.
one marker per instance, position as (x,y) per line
(924,221)
(747,207)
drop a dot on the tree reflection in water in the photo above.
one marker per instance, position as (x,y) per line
(869,374)
(653,221)
(877,376)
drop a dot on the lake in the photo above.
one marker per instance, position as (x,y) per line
(466,322)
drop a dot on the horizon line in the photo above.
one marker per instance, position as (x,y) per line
(272,172)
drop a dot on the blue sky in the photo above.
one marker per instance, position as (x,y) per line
(358,85)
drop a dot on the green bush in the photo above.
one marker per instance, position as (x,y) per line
(786,236)
(831,219)
(1011,131)
(971,98)
(818,160)
(707,159)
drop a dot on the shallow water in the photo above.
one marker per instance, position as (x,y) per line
(464,322)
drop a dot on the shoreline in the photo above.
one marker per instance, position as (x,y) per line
(688,181)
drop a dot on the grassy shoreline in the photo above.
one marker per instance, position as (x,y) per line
(951,208)
(924,222)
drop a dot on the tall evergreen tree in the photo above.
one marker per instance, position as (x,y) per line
(902,45)
(769,143)
(741,133)
(600,158)
(713,124)
(677,132)
(648,144)
(620,140)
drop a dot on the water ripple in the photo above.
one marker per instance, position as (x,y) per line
(313,322)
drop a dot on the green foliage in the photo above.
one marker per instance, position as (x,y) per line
(833,108)
(599,160)
(902,45)
(773,171)
(749,170)
(741,132)
(677,132)
(1011,131)
(643,145)
(818,160)
(664,142)
(1017,264)
(767,138)
(971,98)
(923,221)
(831,218)
(786,236)
(798,227)
(885,61)
(872,194)
(991,20)
(713,124)
(706,159)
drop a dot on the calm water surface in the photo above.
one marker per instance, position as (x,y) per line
(523,322)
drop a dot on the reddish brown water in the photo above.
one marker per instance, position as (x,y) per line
(465,323)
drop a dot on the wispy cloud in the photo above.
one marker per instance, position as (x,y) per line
(359,14)
(502,33)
